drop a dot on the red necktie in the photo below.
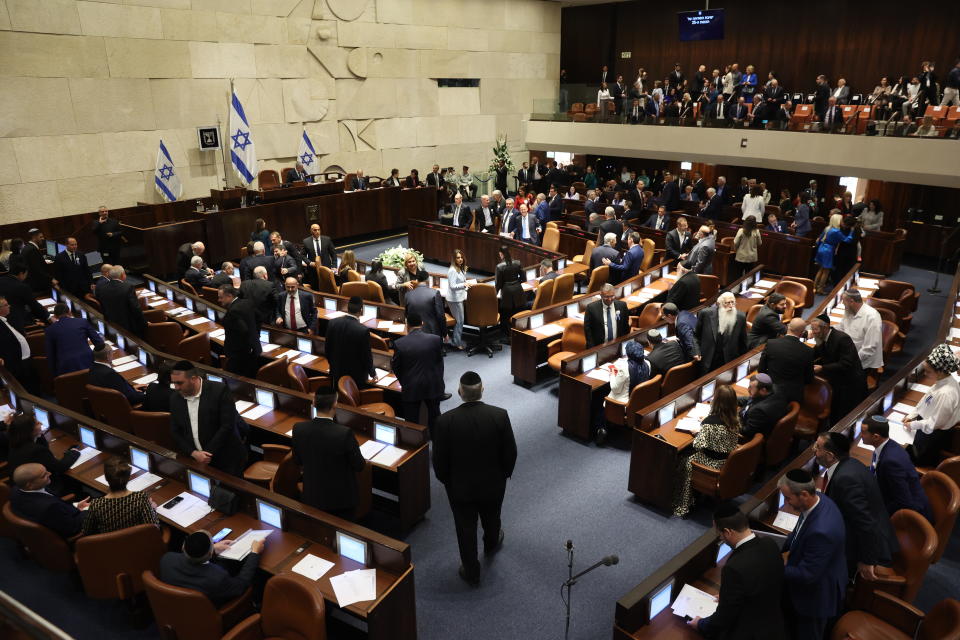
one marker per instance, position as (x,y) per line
(293,314)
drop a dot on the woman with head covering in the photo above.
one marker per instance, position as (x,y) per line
(938,411)
(626,373)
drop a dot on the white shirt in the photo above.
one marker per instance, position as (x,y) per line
(865,329)
(745,539)
(829,473)
(297,321)
(877,450)
(620,382)
(603,94)
(939,408)
(613,317)
(24,346)
(487,217)
(193,411)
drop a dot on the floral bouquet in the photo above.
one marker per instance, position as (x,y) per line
(394,257)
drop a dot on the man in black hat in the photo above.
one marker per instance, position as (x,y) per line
(836,359)
(193,568)
(474,453)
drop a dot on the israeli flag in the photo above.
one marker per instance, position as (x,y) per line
(242,153)
(306,155)
(165,177)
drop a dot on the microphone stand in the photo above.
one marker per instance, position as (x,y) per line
(572,580)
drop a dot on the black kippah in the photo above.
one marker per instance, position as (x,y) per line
(839,442)
(725,510)
(356,300)
(197,544)
(824,318)
(799,476)
(470,379)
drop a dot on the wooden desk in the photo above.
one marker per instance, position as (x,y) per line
(882,251)
(297,191)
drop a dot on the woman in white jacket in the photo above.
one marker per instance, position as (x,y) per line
(456,295)
(753,205)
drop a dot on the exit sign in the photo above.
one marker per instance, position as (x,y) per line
(625,54)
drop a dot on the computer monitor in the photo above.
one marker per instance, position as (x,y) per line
(264,336)
(370,310)
(757,276)
(665,272)
(88,437)
(536,321)
(152,285)
(706,391)
(589,363)
(213,378)
(573,308)
(121,342)
(384,433)
(189,303)
(742,370)
(143,357)
(51,248)
(270,514)
(531,274)
(350,547)
(43,417)
(83,313)
(100,327)
(660,599)
(647,279)
(265,397)
(723,551)
(664,332)
(887,401)
(627,289)
(211,315)
(198,484)
(140,458)
(305,345)
(329,304)
(169,293)
(665,414)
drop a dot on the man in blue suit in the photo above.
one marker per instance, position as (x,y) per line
(897,477)
(418,364)
(629,265)
(196,568)
(67,348)
(103,375)
(525,227)
(684,325)
(659,220)
(31,501)
(815,575)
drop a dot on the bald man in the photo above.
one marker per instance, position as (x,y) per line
(30,500)
(789,362)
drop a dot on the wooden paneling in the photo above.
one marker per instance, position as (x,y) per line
(862,41)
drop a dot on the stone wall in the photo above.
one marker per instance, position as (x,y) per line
(91,87)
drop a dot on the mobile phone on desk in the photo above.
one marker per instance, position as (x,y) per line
(220,535)
(172,503)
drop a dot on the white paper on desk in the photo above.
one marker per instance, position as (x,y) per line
(367,318)
(905,409)
(355,586)
(548,330)
(600,373)
(385,325)
(267,347)
(371,448)
(85,454)
(188,511)
(650,290)
(744,383)
(312,567)
(900,434)
(526,287)
(147,379)
(158,303)
(388,456)
(219,333)
(47,301)
(700,411)
(257,411)
(123,360)
(143,481)
(868,283)
(670,276)
(863,445)
(955,333)
(387,380)
(690,425)
(398,327)
(243,405)
(126,367)
(896,416)
(692,602)
(305,358)
(196,321)
(380,372)
(472,281)
(922,388)
(786,521)
(766,283)
(241,546)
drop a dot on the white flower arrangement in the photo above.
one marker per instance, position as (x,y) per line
(394,257)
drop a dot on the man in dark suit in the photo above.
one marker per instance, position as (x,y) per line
(32,254)
(554,199)
(684,325)
(24,308)
(535,175)
(330,457)
(461,215)
(664,354)
(285,264)
(427,302)
(241,339)
(789,362)
(223,277)
(679,240)
(659,220)
(606,319)
(773,224)
(699,186)
(762,409)
(204,420)
(15,351)
(701,256)
(721,333)
(31,501)
(262,295)
(718,113)
(739,111)
(66,340)
(525,227)
(670,195)
(185,255)
(751,582)
(119,303)
(871,541)
(418,364)
(832,118)
(359,183)
(607,251)
(71,271)
(837,360)
(523,175)
(631,261)
(196,569)
(435,179)
(296,309)
(320,249)
(110,237)
(348,346)
(766,324)
(821,95)
(196,275)
(277,242)
(610,223)
(815,575)
(103,375)
(474,452)
(894,470)
(258,259)
(685,292)
(712,206)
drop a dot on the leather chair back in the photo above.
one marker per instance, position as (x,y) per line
(110,406)
(649,316)
(326,282)
(918,544)
(70,390)
(375,293)
(781,437)
(563,288)
(164,336)
(709,286)
(678,376)
(890,334)
(543,296)
(154,315)
(380,343)
(643,395)
(349,393)
(480,307)
(794,291)
(293,609)
(587,253)
(268,179)
(951,467)
(649,248)
(886,315)
(574,339)
(752,313)
(287,478)
(734,478)
(44,545)
(942,622)
(727,241)
(808,283)
(944,497)
(181,614)
(153,426)
(111,564)
(186,286)
(274,372)
(37,342)
(598,278)
(196,348)
(551,239)
(297,378)
(210,295)
(815,408)
(902,292)
(351,288)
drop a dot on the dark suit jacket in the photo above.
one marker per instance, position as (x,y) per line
(474,451)
(676,247)
(184,255)
(196,278)
(67,348)
(749,603)
(685,292)
(434,180)
(714,208)
(262,295)
(685,328)
(593,321)
(219,427)
(11,352)
(652,222)
(157,397)
(219,280)
(601,252)
(841,364)
(629,266)
(789,363)
(766,326)
(670,196)
(308,309)
(556,206)
(331,459)
(418,365)
(870,537)
(429,304)
(328,252)
(815,575)
(249,263)
(38,277)
(103,376)
(532,230)
(348,350)
(898,481)
(837,117)
(760,416)
(359,184)
(38,451)
(72,276)
(119,304)
(210,579)
(109,236)
(665,356)
(23,304)
(47,510)
(708,332)
(463,216)
(241,340)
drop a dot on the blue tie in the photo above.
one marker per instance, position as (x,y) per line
(793,540)
(609,325)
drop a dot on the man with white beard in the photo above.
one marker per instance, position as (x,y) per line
(721,333)
(865,327)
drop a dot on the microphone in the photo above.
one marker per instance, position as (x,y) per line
(610,560)
(569,545)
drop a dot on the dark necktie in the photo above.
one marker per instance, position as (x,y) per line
(873,462)
(73,258)
(293,313)
(609,324)
(793,540)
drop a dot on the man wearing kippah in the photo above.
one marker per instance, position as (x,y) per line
(474,453)
(939,409)
(837,360)
(193,568)
(891,465)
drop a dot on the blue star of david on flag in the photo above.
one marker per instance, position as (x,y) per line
(165,178)
(166,172)
(306,154)
(243,153)
(238,143)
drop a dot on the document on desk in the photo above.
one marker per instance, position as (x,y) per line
(692,602)
(905,409)
(900,434)
(955,333)
(868,283)
(47,302)
(365,318)
(257,412)
(548,330)
(147,379)
(123,360)
(699,411)
(922,388)
(158,303)
(526,287)
(600,373)
(387,380)
(126,367)
(385,325)
(267,347)
(305,358)
(786,521)
(187,511)
(355,586)
(370,448)
(766,284)
(389,455)
(690,425)
(243,405)
(143,481)
(312,567)
(744,383)
(380,373)
(219,333)
(241,546)
(85,454)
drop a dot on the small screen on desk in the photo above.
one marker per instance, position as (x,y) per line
(666,414)
(531,274)
(589,363)
(211,315)
(265,398)
(170,295)
(744,286)
(305,345)
(665,272)
(722,551)
(742,369)
(313,412)
(198,484)
(88,437)
(573,309)
(264,336)
(385,433)
(152,285)
(647,279)
(213,378)
(351,547)
(887,401)
(83,313)
(329,304)
(756,277)
(369,310)
(269,514)
(660,599)
(706,391)
(780,501)
(100,327)
(143,357)
(561,264)
(664,332)
(189,303)
(627,289)
(140,458)
(43,417)
(121,342)
(536,321)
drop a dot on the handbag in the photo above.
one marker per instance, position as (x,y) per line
(223,500)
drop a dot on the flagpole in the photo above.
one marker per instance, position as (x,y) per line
(223,155)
